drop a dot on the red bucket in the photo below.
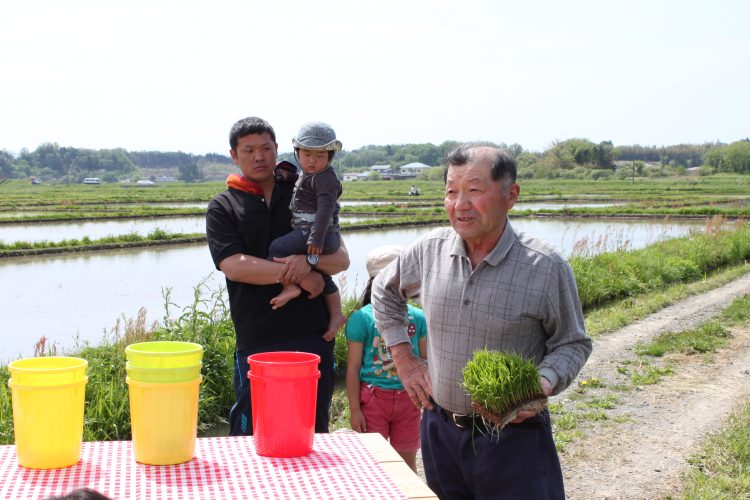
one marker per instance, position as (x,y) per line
(283,414)
(283,364)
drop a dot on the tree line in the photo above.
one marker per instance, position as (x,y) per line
(572,158)
(72,165)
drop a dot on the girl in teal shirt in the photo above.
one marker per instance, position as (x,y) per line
(377,400)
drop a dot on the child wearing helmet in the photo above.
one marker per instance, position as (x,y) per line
(315,210)
(377,399)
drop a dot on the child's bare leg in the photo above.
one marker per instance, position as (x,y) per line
(288,293)
(410,457)
(336,315)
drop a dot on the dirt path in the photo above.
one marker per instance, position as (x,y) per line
(665,423)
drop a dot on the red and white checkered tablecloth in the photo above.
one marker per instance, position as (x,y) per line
(340,466)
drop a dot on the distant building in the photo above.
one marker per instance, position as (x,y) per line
(165,178)
(384,171)
(92,180)
(381,169)
(351,176)
(413,169)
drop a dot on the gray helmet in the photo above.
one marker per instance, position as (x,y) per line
(317,135)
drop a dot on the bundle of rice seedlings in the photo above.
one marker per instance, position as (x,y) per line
(502,384)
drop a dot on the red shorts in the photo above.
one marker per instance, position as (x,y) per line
(391,413)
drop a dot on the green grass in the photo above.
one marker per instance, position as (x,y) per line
(339,409)
(556,408)
(722,470)
(566,422)
(565,428)
(609,276)
(704,190)
(738,311)
(607,402)
(650,375)
(569,424)
(590,383)
(20,194)
(157,234)
(706,338)
(6,408)
(595,416)
(610,317)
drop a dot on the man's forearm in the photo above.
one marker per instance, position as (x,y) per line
(334,263)
(251,270)
(401,352)
(389,310)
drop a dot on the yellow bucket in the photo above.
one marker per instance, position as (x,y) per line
(163,421)
(163,375)
(48,370)
(164,354)
(48,423)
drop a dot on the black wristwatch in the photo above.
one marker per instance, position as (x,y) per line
(312,259)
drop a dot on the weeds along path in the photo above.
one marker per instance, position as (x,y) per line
(642,447)
(683,315)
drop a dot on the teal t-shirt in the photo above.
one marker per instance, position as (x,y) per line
(377,365)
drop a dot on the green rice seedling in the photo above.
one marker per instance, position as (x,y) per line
(502,384)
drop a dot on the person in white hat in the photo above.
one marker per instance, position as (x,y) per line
(377,399)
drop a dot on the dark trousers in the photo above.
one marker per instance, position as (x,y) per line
(295,242)
(241,417)
(518,463)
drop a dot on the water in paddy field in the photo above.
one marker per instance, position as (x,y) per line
(80,296)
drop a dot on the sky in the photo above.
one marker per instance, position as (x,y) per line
(175,75)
